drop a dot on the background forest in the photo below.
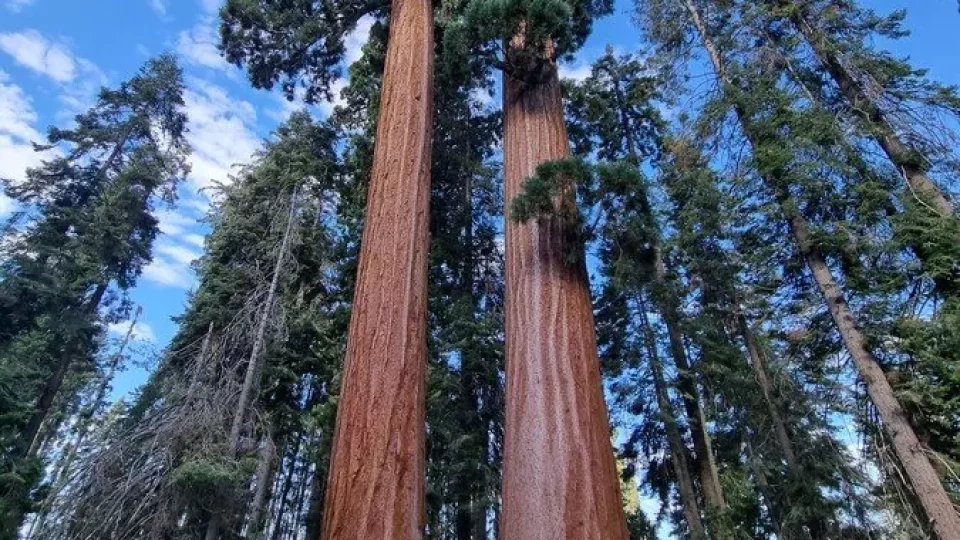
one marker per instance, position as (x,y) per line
(762,194)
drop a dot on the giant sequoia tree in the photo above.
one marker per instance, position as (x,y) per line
(555,410)
(375,486)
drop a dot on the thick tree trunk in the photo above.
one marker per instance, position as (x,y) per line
(905,158)
(760,374)
(559,474)
(689,392)
(376,483)
(678,450)
(943,518)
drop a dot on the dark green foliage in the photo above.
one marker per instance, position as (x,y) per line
(299,44)
(84,239)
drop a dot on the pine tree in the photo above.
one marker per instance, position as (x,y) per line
(189,461)
(90,238)
(763,124)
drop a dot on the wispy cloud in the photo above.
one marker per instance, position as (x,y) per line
(576,72)
(141,331)
(168,273)
(17,5)
(17,132)
(199,47)
(31,50)
(221,132)
(159,6)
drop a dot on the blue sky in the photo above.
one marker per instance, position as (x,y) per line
(55,54)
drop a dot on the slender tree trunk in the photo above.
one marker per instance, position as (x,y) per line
(763,486)
(314,519)
(265,473)
(678,450)
(690,392)
(376,483)
(285,491)
(251,379)
(559,474)
(201,365)
(760,374)
(906,159)
(30,441)
(922,477)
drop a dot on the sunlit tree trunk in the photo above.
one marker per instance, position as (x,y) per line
(376,482)
(559,474)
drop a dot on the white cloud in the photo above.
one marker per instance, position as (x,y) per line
(221,132)
(173,223)
(31,50)
(17,5)
(80,78)
(177,253)
(576,72)
(7,205)
(355,40)
(167,273)
(141,331)
(199,46)
(160,6)
(17,118)
(195,240)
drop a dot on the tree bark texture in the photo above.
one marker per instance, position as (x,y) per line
(559,474)
(923,478)
(376,484)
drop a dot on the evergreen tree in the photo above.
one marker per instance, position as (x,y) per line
(85,238)
(181,437)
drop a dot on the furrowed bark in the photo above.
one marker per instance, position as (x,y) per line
(944,521)
(376,483)
(559,474)
(678,450)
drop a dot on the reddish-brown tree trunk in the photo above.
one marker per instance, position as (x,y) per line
(559,474)
(376,483)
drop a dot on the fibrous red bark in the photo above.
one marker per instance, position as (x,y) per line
(375,487)
(559,474)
